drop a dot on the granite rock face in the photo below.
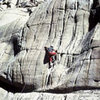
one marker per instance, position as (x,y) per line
(4,4)
(72,27)
(80,95)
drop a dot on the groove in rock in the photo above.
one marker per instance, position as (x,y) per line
(22,75)
(16,46)
(94,17)
(89,67)
(65,97)
(79,71)
(63,23)
(15,87)
(65,6)
(51,22)
(71,89)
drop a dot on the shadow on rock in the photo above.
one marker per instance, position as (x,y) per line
(46,57)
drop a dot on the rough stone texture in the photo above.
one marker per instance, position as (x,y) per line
(4,4)
(11,24)
(80,95)
(72,27)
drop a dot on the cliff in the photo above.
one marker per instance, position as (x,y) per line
(71,27)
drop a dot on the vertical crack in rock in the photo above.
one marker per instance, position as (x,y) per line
(75,18)
(65,6)
(74,31)
(82,63)
(83,24)
(48,81)
(89,4)
(8,75)
(89,66)
(72,38)
(12,76)
(40,97)
(22,75)
(65,97)
(21,71)
(23,40)
(63,22)
(94,17)
(52,15)
(28,26)
(75,34)
(36,66)
(86,43)
(16,46)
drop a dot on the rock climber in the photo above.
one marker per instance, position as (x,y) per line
(51,53)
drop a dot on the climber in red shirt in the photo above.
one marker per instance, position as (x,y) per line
(51,53)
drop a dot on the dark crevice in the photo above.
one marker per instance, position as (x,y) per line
(60,9)
(9,87)
(62,29)
(7,3)
(22,77)
(95,47)
(15,87)
(95,4)
(94,17)
(51,22)
(74,30)
(83,24)
(49,81)
(65,6)
(29,10)
(78,5)
(75,18)
(16,46)
(96,80)
(27,25)
(71,89)
(34,37)
(65,97)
